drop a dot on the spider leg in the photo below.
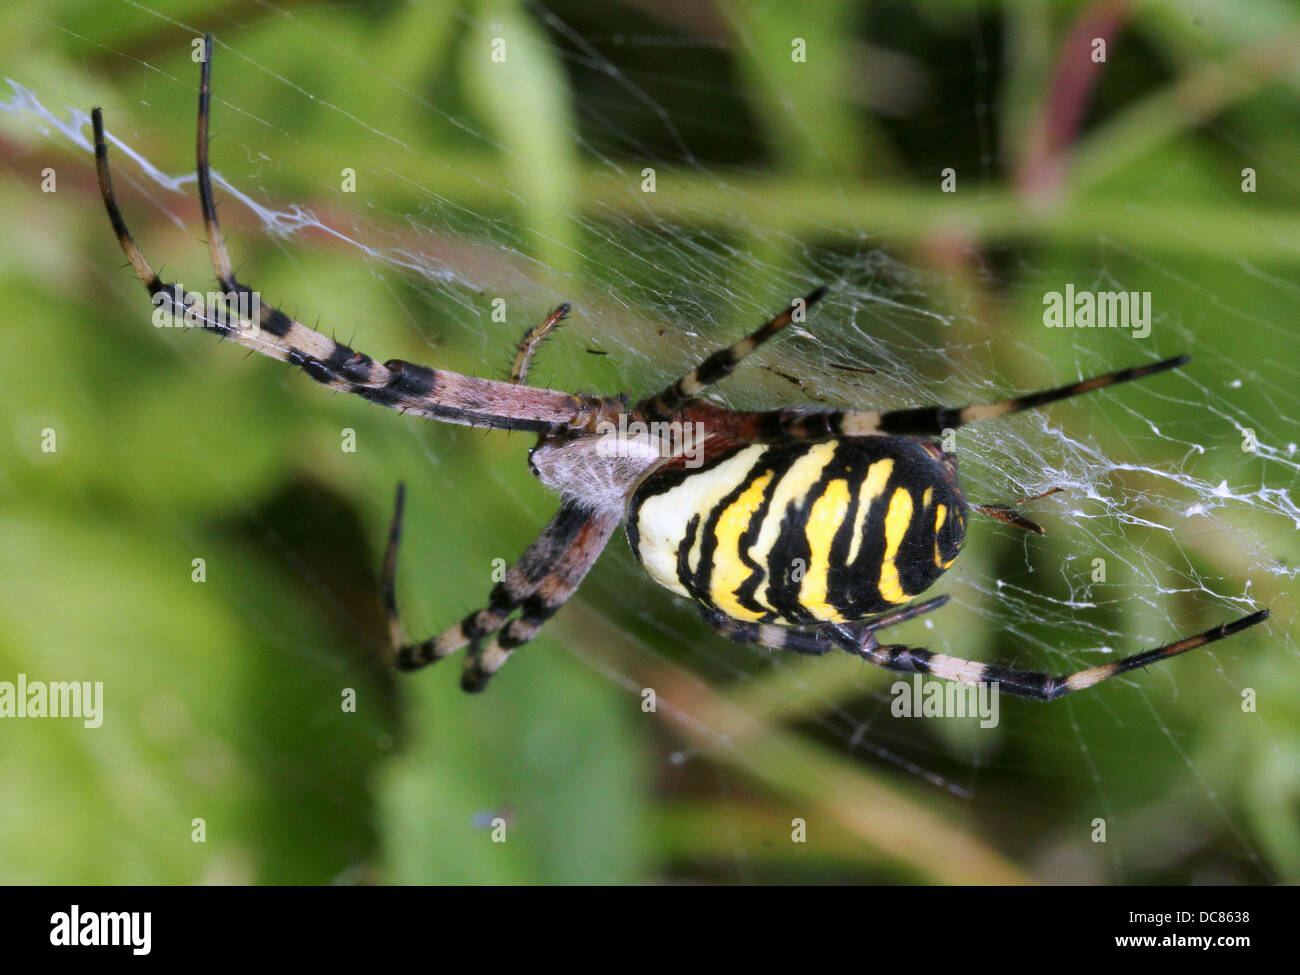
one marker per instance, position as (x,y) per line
(782,425)
(554,590)
(532,340)
(1036,685)
(860,640)
(894,617)
(814,640)
(518,589)
(720,364)
(400,385)
(202,139)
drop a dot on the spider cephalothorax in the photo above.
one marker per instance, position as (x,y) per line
(803,530)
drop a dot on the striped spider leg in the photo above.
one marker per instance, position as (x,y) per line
(673,400)
(775,426)
(537,585)
(397,384)
(860,639)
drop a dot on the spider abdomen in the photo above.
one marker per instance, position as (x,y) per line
(801,533)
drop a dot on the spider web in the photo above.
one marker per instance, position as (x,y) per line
(1192,529)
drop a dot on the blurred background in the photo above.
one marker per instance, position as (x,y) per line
(393,172)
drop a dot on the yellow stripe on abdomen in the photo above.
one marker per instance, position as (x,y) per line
(729,570)
(897,520)
(873,486)
(824,520)
(801,477)
(940,516)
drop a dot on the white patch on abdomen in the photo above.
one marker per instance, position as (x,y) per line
(663,518)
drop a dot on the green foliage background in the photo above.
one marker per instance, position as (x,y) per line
(223,698)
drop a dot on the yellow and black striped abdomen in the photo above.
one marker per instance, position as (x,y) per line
(802,533)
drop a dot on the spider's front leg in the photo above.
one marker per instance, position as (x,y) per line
(239,314)
(536,586)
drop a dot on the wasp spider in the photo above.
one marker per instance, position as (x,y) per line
(800,529)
